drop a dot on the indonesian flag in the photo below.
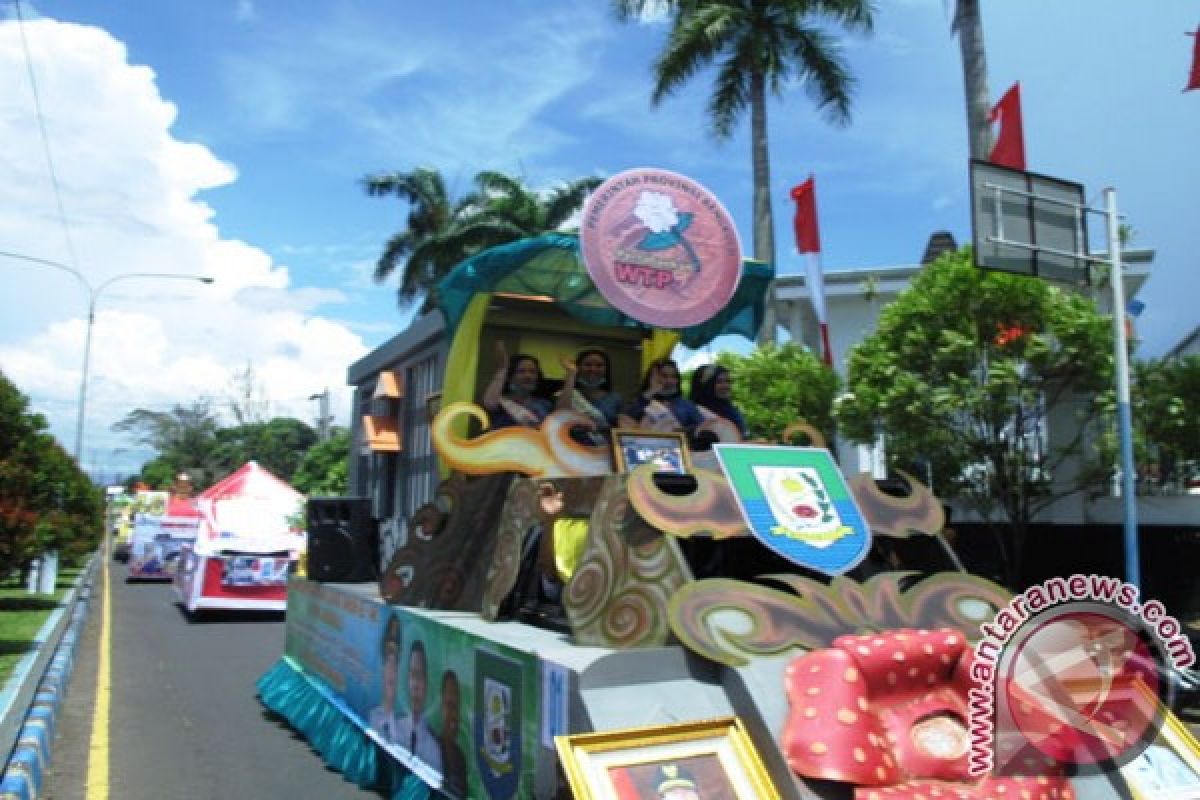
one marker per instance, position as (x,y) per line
(808,242)
(1009,150)
(1194,78)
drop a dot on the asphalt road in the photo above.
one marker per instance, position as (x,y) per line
(185,719)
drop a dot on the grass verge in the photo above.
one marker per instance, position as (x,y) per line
(22,616)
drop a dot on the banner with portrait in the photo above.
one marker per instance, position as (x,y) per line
(156,545)
(458,710)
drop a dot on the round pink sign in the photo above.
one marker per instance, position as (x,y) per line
(660,248)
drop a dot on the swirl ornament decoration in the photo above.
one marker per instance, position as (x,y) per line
(800,427)
(545,452)
(732,622)
(517,517)
(619,593)
(710,510)
(428,570)
(889,515)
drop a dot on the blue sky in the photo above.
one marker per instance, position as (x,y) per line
(228,138)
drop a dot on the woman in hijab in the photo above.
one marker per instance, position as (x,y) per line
(712,390)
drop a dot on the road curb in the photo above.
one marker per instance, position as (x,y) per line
(36,711)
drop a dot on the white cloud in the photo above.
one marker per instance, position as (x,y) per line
(130,189)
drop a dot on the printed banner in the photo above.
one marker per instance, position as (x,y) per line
(255,571)
(797,503)
(458,710)
(151,503)
(660,248)
(156,545)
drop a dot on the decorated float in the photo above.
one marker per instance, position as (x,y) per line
(145,503)
(756,625)
(158,541)
(247,539)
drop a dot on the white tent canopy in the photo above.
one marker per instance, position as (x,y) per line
(250,511)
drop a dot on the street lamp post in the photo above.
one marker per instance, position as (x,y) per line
(93,294)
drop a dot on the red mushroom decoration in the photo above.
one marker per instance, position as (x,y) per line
(888,712)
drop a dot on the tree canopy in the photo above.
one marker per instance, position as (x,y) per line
(325,467)
(960,374)
(46,501)
(775,386)
(192,440)
(1166,411)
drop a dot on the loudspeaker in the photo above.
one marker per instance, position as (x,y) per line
(343,540)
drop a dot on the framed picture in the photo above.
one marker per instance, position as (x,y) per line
(709,759)
(1169,767)
(668,452)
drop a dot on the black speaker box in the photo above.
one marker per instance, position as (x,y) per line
(343,540)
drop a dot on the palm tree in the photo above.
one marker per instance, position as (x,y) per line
(441,232)
(504,209)
(423,247)
(969,26)
(757,46)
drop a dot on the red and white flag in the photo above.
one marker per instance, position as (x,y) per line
(1194,78)
(1009,150)
(808,241)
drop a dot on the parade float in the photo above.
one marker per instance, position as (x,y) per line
(145,503)
(246,542)
(158,540)
(775,674)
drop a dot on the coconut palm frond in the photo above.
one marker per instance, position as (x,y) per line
(566,200)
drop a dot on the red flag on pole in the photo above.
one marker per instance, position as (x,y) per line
(808,241)
(1009,150)
(1194,78)
(808,237)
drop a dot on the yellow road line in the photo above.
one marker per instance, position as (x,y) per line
(97,771)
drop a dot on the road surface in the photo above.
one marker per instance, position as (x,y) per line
(185,720)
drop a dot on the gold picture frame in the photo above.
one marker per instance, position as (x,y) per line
(633,447)
(714,758)
(1170,765)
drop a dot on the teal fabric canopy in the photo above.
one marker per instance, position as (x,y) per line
(551,266)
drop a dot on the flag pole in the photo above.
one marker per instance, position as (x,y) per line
(823,322)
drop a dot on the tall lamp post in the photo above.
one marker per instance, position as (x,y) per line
(94,295)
